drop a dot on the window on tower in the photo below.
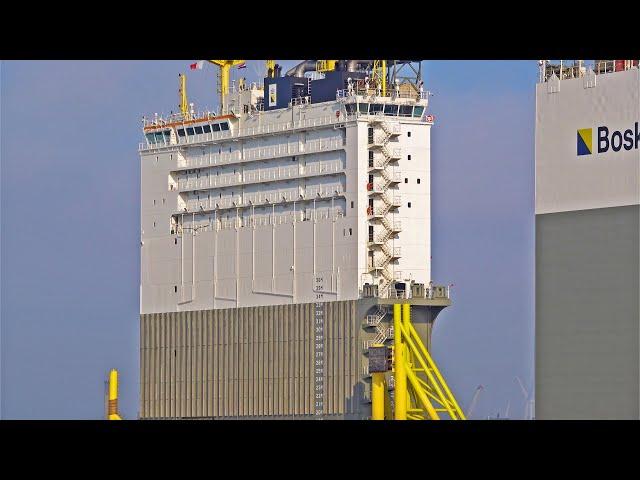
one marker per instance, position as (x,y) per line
(391,109)
(405,110)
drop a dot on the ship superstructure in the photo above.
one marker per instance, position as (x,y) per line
(277,234)
(300,190)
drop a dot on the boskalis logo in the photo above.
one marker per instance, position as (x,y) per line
(616,140)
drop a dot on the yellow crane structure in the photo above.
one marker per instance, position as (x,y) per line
(380,75)
(326,65)
(420,391)
(112,409)
(223,78)
(182,92)
(271,68)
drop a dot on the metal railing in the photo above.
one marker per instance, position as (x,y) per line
(259,130)
(262,153)
(261,199)
(274,174)
(372,92)
(264,220)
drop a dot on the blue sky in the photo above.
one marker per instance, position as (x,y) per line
(69,263)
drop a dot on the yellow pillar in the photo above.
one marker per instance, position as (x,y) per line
(400,411)
(406,321)
(384,78)
(184,106)
(377,396)
(406,316)
(113,395)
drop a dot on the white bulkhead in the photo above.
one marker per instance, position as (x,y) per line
(299,204)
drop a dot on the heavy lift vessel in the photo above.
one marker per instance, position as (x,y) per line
(285,249)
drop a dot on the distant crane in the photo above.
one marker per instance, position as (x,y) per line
(474,400)
(528,406)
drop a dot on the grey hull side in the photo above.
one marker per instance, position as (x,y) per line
(587,314)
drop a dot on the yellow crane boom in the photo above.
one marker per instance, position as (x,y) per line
(184,105)
(223,85)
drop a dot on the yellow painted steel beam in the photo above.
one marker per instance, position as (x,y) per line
(271,66)
(225,68)
(326,65)
(112,412)
(388,413)
(184,105)
(422,396)
(399,367)
(442,399)
(380,75)
(440,378)
(377,396)
(416,398)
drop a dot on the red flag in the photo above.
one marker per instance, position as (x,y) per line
(197,65)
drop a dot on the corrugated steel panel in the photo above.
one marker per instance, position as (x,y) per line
(255,362)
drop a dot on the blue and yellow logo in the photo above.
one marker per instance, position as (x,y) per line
(585,141)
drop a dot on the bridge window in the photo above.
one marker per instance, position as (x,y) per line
(181,132)
(418,110)
(206,128)
(390,109)
(375,108)
(198,130)
(363,108)
(350,108)
(405,110)
(216,127)
(190,131)
(224,126)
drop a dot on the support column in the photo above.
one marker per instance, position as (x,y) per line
(377,396)
(400,410)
